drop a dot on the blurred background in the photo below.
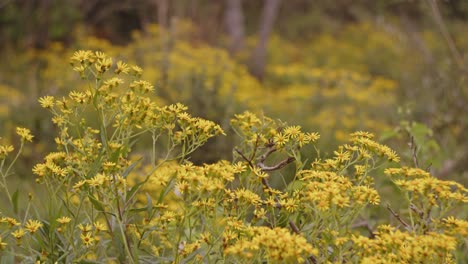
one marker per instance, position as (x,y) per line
(396,68)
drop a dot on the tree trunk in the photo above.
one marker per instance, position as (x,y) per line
(234,22)
(163,8)
(269,13)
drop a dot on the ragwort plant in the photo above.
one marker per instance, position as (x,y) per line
(107,202)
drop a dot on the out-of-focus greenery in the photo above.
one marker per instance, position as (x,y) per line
(356,78)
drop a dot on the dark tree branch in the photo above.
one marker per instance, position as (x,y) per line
(244,157)
(278,166)
(397,216)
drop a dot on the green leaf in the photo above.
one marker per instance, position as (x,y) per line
(137,210)
(294,185)
(14,200)
(166,190)
(130,168)
(149,202)
(388,134)
(420,132)
(133,190)
(96,203)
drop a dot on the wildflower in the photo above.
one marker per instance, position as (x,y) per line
(18,234)
(80,69)
(312,137)
(260,213)
(100,55)
(280,140)
(97,181)
(292,131)
(289,204)
(2,244)
(4,150)
(79,184)
(142,86)
(259,173)
(33,225)
(64,220)
(87,238)
(276,244)
(137,71)
(122,67)
(456,226)
(11,221)
(342,156)
(99,227)
(47,102)
(82,56)
(78,97)
(362,134)
(24,133)
(85,228)
(109,166)
(182,187)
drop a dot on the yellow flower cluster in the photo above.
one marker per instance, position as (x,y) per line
(208,179)
(90,234)
(274,245)
(24,133)
(456,227)
(32,226)
(323,190)
(426,187)
(5,150)
(407,172)
(342,100)
(265,131)
(395,246)
(364,140)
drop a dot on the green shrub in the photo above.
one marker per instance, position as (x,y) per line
(108,201)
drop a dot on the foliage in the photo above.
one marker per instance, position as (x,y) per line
(110,201)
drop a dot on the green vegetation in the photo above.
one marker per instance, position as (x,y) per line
(170,142)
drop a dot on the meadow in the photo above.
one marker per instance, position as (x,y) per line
(350,147)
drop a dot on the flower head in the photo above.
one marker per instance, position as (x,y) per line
(24,133)
(33,225)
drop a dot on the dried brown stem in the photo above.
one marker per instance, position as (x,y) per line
(397,216)
(278,166)
(244,157)
(267,185)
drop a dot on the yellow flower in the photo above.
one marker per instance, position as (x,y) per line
(259,173)
(85,228)
(33,225)
(122,67)
(19,233)
(2,244)
(64,220)
(79,184)
(78,97)
(362,134)
(47,101)
(87,239)
(99,227)
(292,131)
(24,133)
(11,221)
(137,71)
(4,150)
(280,140)
(97,180)
(82,56)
